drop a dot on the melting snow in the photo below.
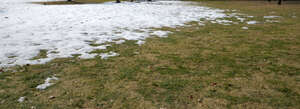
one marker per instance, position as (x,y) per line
(272,21)
(47,83)
(270,17)
(140,42)
(245,28)
(88,55)
(252,22)
(107,55)
(119,41)
(226,22)
(161,33)
(21,99)
(241,19)
(63,30)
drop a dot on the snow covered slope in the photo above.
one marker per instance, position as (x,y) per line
(63,30)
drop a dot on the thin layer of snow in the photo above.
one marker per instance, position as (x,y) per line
(252,22)
(47,83)
(109,54)
(119,41)
(88,55)
(245,28)
(225,22)
(270,17)
(272,21)
(140,42)
(21,99)
(200,24)
(63,30)
(238,16)
(241,19)
(161,33)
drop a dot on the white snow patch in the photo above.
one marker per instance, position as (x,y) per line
(225,22)
(245,28)
(63,30)
(47,83)
(21,99)
(213,22)
(119,41)
(200,24)
(161,33)
(270,17)
(140,42)
(109,54)
(241,19)
(88,55)
(252,22)
(272,21)
(238,16)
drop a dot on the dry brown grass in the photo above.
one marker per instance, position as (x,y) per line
(212,66)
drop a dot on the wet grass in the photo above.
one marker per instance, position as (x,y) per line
(211,66)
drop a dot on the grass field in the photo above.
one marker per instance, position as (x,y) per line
(212,66)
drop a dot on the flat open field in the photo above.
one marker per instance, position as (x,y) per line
(252,64)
